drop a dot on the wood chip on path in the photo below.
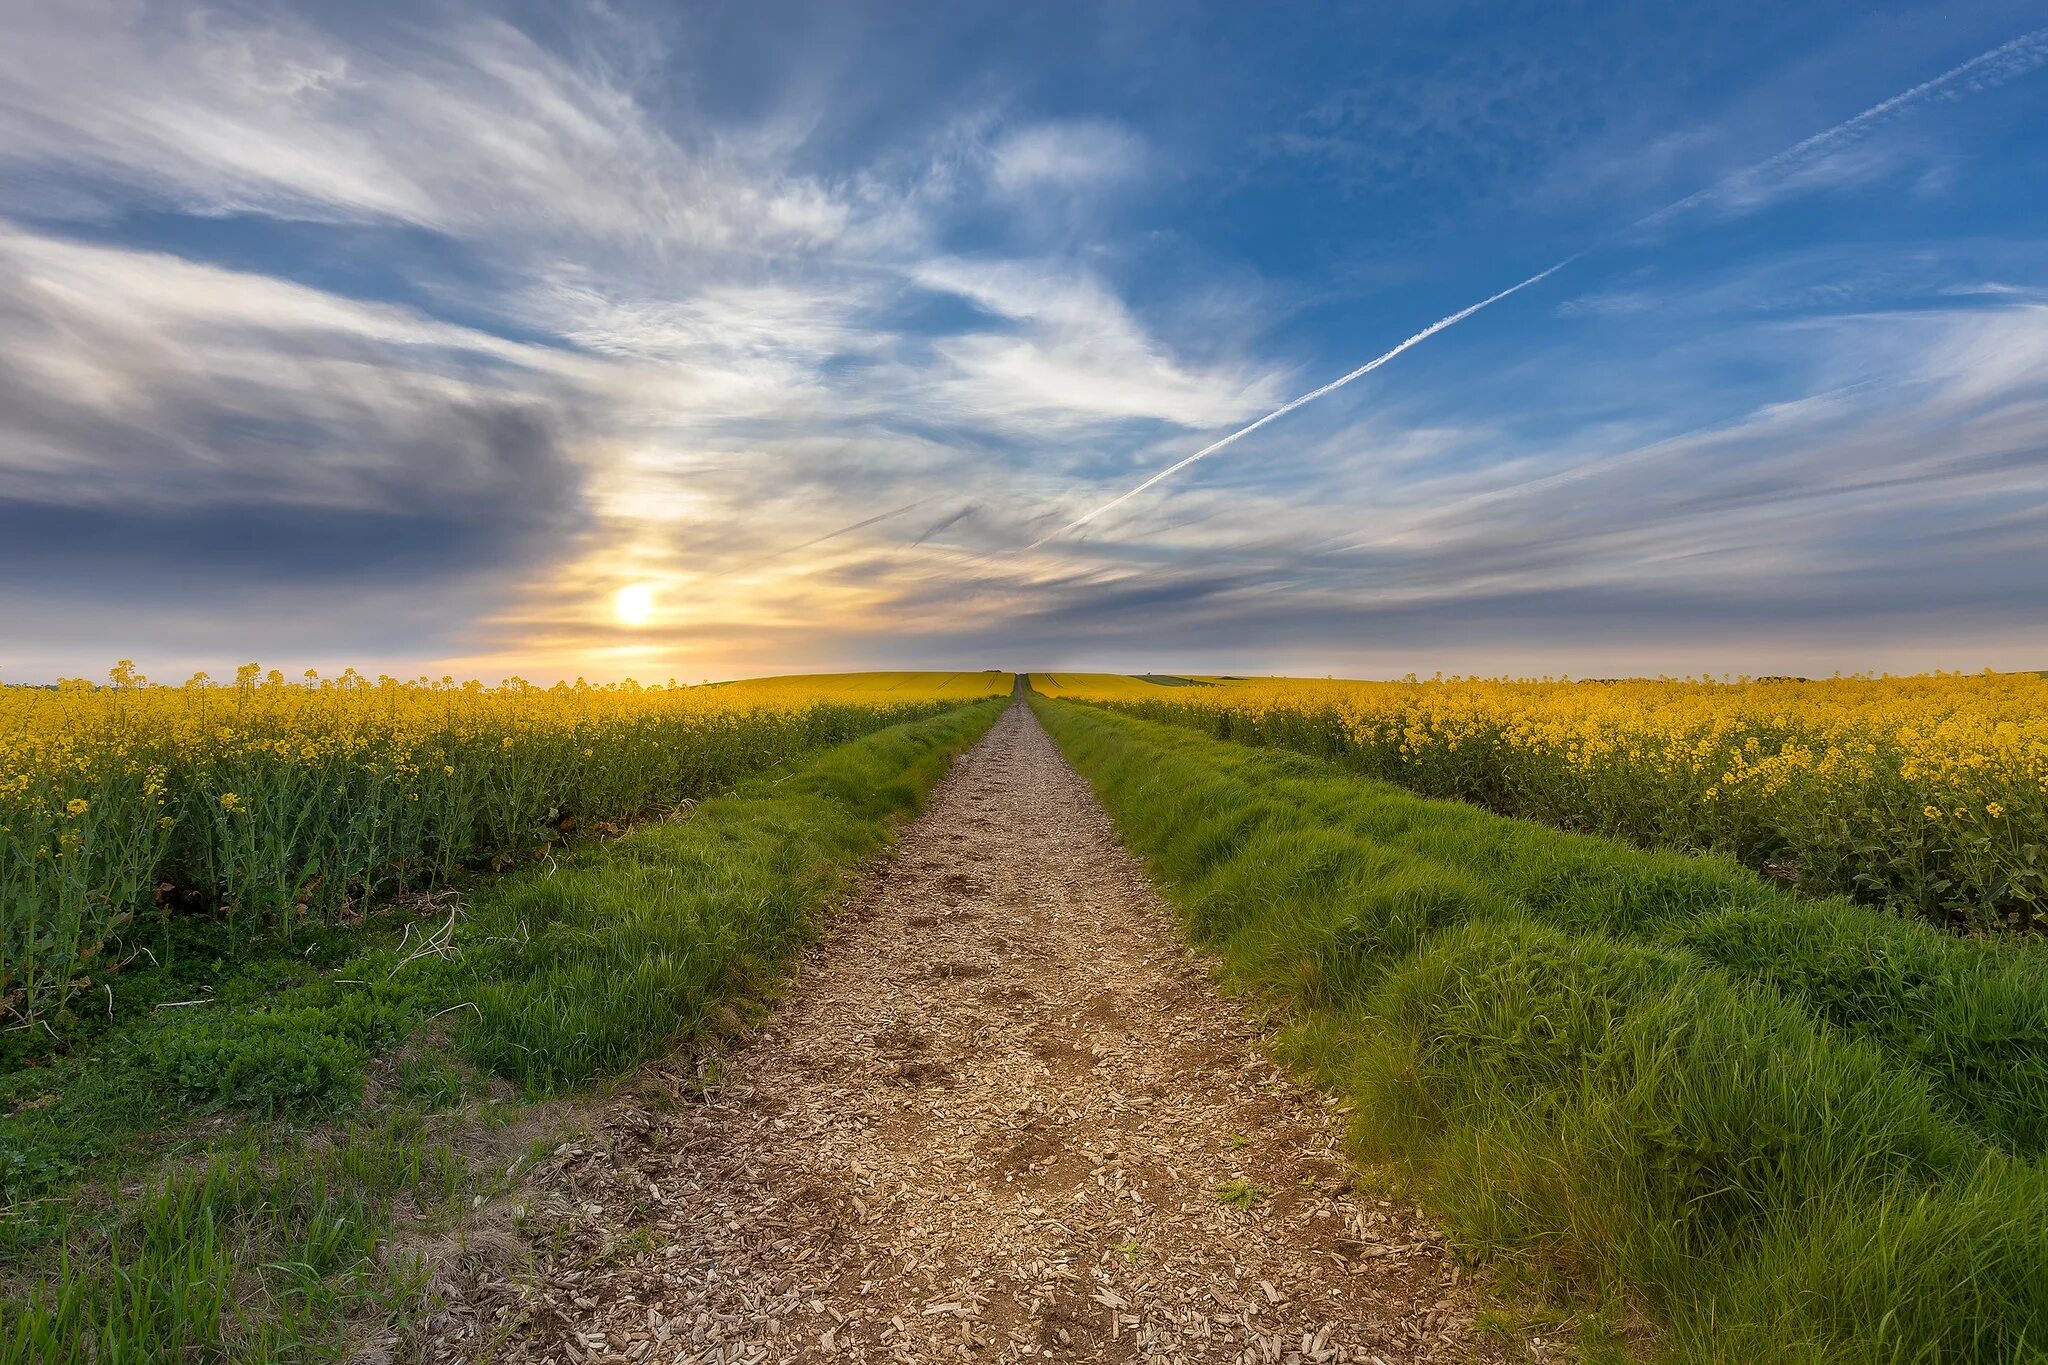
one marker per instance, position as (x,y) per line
(1003,1115)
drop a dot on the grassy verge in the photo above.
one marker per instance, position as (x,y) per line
(218,1181)
(1919,795)
(1793,1132)
(1969,1015)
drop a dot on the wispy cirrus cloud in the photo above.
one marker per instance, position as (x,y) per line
(1074,154)
(140,377)
(454,120)
(680,351)
(1843,153)
(1907,465)
(1075,356)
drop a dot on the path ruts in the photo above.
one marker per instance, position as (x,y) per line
(1003,1115)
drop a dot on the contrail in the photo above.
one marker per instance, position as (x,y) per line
(2001,64)
(1995,67)
(1367,368)
(1588,468)
(856,526)
(969,510)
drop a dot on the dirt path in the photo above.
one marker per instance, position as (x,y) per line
(1004,1115)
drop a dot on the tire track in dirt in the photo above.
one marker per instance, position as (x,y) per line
(1003,1115)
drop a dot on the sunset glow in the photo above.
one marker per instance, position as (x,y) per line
(633,605)
(712,341)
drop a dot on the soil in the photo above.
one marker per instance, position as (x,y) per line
(1004,1114)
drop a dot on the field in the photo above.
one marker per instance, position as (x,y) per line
(1923,795)
(1671,1021)
(272,803)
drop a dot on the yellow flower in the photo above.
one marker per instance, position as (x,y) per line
(77,805)
(1930,812)
(1995,811)
(230,802)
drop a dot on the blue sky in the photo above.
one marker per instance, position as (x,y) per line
(410,337)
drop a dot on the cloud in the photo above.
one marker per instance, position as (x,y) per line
(946,523)
(677,352)
(1068,155)
(148,380)
(1076,357)
(1845,153)
(140,375)
(466,126)
(606,316)
(1870,524)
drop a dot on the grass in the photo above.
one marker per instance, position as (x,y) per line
(280,807)
(1789,1131)
(220,1181)
(257,1252)
(1919,795)
(1970,1015)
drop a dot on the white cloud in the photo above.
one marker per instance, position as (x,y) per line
(705,283)
(471,127)
(1078,356)
(725,284)
(734,372)
(1064,156)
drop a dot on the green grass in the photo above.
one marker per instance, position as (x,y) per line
(1790,1131)
(273,806)
(262,1251)
(1970,1015)
(206,1182)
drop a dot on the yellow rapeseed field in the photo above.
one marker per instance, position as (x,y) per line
(1926,794)
(271,799)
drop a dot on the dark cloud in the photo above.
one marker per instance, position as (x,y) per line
(215,429)
(154,553)
(1860,617)
(213,491)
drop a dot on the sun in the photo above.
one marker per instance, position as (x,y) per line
(633,604)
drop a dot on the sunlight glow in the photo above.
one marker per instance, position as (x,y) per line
(633,605)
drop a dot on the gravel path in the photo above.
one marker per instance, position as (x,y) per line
(1004,1115)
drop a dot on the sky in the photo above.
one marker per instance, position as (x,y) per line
(716,339)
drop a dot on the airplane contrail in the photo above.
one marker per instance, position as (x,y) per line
(856,526)
(944,523)
(2002,63)
(1367,368)
(1586,469)
(2005,62)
